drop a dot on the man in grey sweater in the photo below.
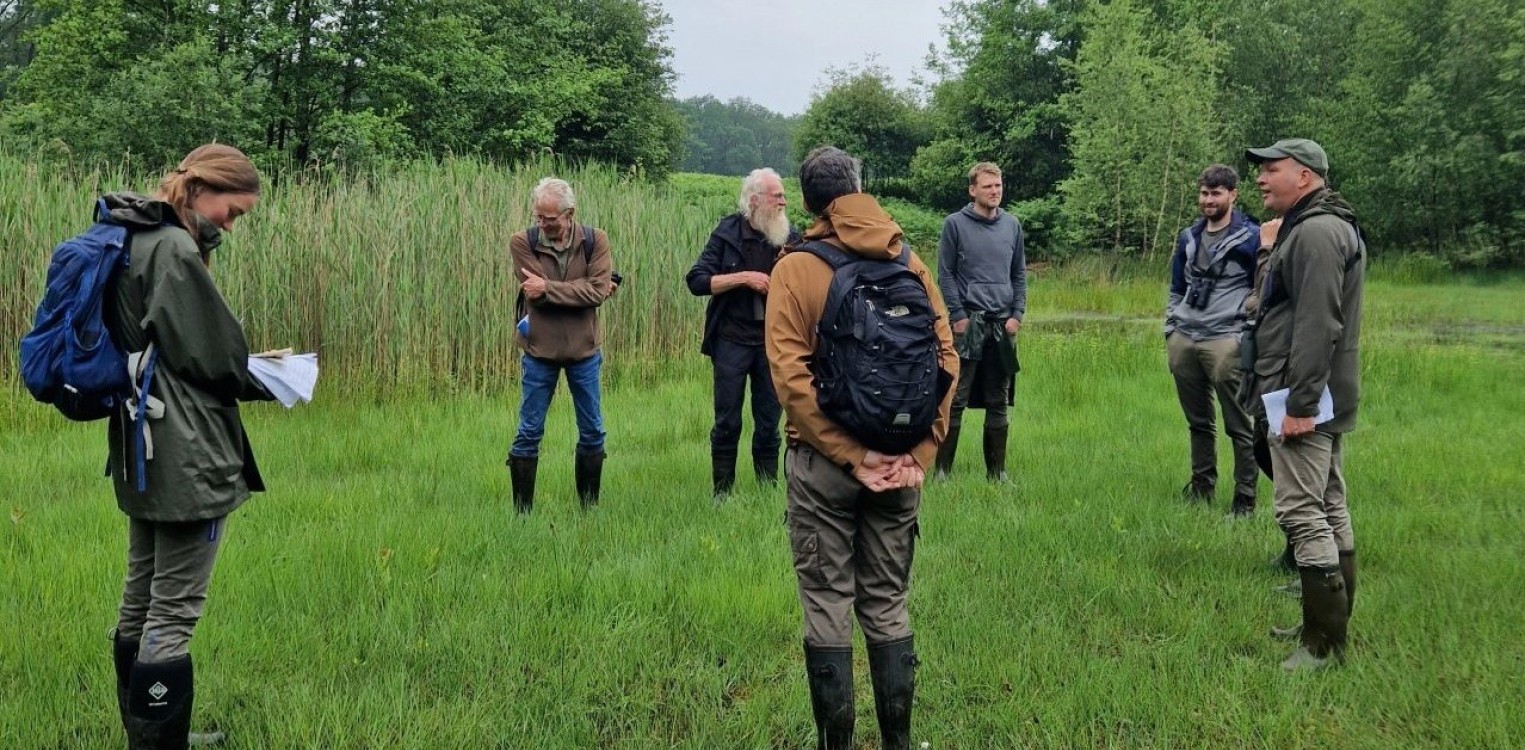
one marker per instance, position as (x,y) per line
(982,273)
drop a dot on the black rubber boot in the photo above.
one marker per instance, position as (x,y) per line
(123,653)
(1326,613)
(722,473)
(892,666)
(765,465)
(521,473)
(946,453)
(995,453)
(1348,572)
(590,472)
(159,700)
(1198,490)
(830,671)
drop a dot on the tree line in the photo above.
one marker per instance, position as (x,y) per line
(1101,113)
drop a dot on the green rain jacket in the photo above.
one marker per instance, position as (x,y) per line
(202,466)
(1310,318)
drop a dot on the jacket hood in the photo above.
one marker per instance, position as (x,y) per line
(1328,202)
(970,211)
(136,211)
(860,226)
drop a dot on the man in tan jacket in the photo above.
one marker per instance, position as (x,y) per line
(852,511)
(564,270)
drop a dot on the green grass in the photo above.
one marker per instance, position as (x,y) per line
(384,595)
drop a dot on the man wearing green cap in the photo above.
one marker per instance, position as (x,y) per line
(1306,342)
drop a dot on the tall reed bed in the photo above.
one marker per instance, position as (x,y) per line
(401,281)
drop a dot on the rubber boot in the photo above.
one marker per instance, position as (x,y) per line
(124,652)
(830,672)
(945,453)
(521,473)
(892,666)
(1348,573)
(159,700)
(765,465)
(1326,613)
(722,474)
(995,452)
(590,472)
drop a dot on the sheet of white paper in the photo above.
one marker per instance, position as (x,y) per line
(289,379)
(1276,408)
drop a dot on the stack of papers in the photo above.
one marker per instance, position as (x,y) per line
(1276,408)
(290,378)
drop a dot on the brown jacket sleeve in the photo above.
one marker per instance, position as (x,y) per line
(796,298)
(581,290)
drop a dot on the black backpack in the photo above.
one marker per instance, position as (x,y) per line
(876,367)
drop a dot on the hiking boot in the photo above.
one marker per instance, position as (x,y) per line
(830,672)
(521,474)
(995,453)
(590,472)
(892,668)
(1198,491)
(1243,505)
(945,453)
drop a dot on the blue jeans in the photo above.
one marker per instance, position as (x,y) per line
(535,399)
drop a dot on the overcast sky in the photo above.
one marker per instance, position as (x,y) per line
(774,52)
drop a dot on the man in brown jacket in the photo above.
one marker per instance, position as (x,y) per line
(1307,344)
(564,270)
(852,512)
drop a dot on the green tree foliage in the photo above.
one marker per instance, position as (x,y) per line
(354,81)
(860,111)
(735,137)
(1143,127)
(1005,67)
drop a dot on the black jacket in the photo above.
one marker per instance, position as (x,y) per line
(723,255)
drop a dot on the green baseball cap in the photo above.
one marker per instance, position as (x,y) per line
(1307,153)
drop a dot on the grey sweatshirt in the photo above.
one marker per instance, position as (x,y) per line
(981,265)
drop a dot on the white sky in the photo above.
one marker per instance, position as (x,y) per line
(775,52)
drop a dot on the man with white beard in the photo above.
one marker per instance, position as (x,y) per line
(734,270)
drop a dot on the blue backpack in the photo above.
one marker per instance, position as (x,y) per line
(876,367)
(68,359)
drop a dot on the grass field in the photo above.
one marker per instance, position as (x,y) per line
(383,595)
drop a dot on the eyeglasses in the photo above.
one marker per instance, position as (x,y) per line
(540,219)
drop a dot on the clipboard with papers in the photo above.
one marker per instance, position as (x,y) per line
(289,377)
(1276,408)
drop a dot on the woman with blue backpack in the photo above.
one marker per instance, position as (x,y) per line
(189,466)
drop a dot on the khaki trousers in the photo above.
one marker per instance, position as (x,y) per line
(1203,369)
(169,566)
(852,551)
(1310,498)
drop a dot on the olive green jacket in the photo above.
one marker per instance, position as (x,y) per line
(202,466)
(1309,331)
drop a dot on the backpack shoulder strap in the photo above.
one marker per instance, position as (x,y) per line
(532,237)
(834,256)
(587,244)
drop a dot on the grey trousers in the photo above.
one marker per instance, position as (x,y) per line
(852,551)
(1310,498)
(1203,369)
(169,565)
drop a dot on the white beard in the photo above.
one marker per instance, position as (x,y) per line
(774,226)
